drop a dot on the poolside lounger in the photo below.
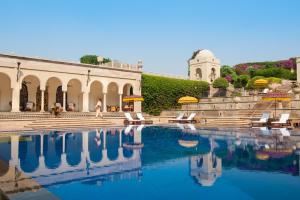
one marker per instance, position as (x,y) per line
(265,131)
(283,121)
(262,121)
(130,120)
(192,127)
(190,119)
(141,117)
(140,128)
(128,129)
(285,132)
(179,117)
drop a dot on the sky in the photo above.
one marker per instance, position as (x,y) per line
(162,33)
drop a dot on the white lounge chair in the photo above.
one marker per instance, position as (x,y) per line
(128,129)
(140,128)
(263,120)
(141,117)
(265,131)
(283,120)
(285,132)
(179,117)
(130,120)
(192,127)
(190,119)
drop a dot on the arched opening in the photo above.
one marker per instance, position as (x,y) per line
(5,155)
(29,152)
(74,94)
(129,139)
(5,93)
(52,150)
(53,93)
(30,94)
(198,74)
(112,145)
(95,146)
(112,99)
(127,91)
(96,92)
(73,148)
(213,74)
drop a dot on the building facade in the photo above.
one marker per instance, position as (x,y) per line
(46,82)
(204,66)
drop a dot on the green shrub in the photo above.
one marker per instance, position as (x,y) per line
(161,93)
(250,85)
(241,81)
(275,72)
(273,80)
(220,83)
(89,59)
(93,60)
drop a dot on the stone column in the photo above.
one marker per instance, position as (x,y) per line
(104,103)
(14,139)
(64,143)
(42,100)
(15,102)
(42,144)
(85,102)
(64,101)
(120,102)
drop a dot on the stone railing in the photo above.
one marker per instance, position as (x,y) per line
(117,64)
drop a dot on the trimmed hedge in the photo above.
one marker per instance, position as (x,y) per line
(161,93)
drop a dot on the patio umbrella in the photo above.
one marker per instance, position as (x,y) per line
(187,100)
(133,98)
(261,83)
(276,96)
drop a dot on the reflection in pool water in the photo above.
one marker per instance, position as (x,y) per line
(171,163)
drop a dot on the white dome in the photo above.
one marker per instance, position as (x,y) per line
(205,53)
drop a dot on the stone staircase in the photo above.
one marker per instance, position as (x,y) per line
(228,122)
(67,123)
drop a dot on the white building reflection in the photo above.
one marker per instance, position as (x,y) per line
(47,159)
(205,169)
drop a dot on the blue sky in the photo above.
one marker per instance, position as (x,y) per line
(163,33)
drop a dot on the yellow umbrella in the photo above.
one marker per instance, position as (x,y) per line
(133,98)
(276,96)
(187,100)
(261,82)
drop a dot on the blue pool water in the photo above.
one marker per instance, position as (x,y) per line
(153,163)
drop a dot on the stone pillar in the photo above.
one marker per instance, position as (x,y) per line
(14,139)
(298,69)
(85,102)
(42,100)
(120,102)
(120,138)
(64,143)
(15,102)
(104,102)
(85,143)
(42,144)
(64,101)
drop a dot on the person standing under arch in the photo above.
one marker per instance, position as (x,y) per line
(98,108)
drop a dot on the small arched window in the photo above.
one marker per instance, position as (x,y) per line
(198,73)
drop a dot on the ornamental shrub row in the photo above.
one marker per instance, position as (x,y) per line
(162,93)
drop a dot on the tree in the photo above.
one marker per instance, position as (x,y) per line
(228,73)
(241,81)
(220,83)
(93,60)
(89,59)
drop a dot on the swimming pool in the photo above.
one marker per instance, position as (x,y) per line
(156,162)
